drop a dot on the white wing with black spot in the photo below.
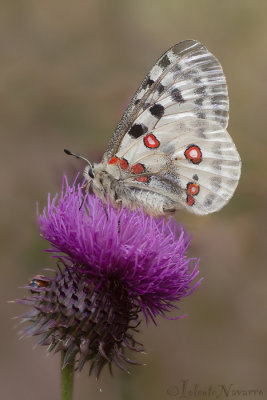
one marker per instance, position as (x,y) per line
(173,139)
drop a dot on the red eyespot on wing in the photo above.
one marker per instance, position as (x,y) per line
(190,200)
(151,141)
(113,160)
(137,168)
(142,179)
(192,189)
(193,153)
(124,163)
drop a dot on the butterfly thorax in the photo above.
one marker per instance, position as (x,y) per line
(102,184)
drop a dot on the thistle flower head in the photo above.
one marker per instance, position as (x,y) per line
(114,265)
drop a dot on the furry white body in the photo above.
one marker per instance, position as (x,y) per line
(171,149)
(121,193)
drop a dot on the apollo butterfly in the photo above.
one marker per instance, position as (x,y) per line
(171,149)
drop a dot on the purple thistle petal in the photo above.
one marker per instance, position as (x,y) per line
(147,255)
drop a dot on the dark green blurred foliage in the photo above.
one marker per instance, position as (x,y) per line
(67,72)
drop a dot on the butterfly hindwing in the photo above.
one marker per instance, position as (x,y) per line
(207,165)
(172,138)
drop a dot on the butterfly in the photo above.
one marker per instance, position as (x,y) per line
(171,149)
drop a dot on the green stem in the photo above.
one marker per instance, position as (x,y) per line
(67,377)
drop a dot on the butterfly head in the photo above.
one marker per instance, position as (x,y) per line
(89,172)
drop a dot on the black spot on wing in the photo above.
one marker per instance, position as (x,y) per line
(216,182)
(137,130)
(201,115)
(217,164)
(157,110)
(201,90)
(217,149)
(148,83)
(218,99)
(221,113)
(197,80)
(137,101)
(177,96)
(199,101)
(164,62)
(195,177)
(160,88)
(209,200)
(176,69)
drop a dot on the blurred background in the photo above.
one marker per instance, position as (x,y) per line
(67,71)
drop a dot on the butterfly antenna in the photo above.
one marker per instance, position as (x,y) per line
(78,156)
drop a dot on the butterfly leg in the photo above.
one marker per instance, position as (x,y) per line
(86,186)
(105,209)
(119,205)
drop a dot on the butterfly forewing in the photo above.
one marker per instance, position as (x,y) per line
(172,138)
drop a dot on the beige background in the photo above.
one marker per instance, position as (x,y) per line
(67,71)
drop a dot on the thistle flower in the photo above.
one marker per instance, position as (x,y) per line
(114,266)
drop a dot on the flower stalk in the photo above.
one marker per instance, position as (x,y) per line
(67,379)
